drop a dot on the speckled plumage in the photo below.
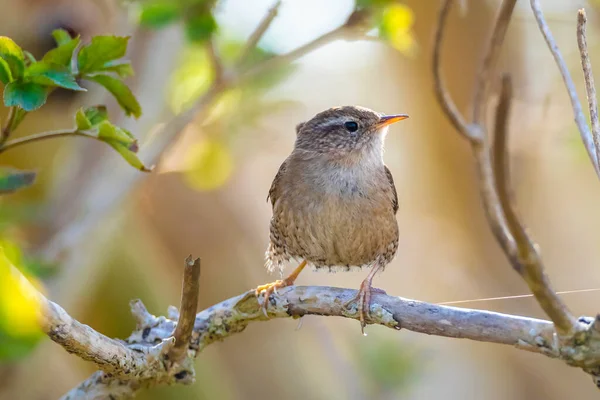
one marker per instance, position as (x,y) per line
(334,200)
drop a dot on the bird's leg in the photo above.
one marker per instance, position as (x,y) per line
(363,298)
(269,288)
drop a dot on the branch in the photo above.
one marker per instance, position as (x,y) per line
(43,136)
(589,80)
(215,61)
(258,33)
(235,314)
(490,58)
(524,255)
(6,130)
(584,130)
(494,180)
(189,306)
(444,99)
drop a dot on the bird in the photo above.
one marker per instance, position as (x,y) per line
(334,202)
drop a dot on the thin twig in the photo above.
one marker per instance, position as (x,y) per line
(187,311)
(441,92)
(590,87)
(43,136)
(215,61)
(524,257)
(584,130)
(6,130)
(484,77)
(494,180)
(258,33)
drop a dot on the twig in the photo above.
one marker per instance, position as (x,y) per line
(584,130)
(187,311)
(494,180)
(590,87)
(8,127)
(441,92)
(258,33)
(215,61)
(524,256)
(484,76)
(43,136)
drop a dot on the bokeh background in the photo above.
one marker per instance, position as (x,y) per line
(105,234)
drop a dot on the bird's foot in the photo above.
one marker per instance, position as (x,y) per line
(268,289)
(363,303)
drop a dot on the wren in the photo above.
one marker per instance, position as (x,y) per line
(334,201)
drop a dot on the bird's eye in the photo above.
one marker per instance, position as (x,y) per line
(351,126)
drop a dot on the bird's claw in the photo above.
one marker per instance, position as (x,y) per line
(363,303)
(268,289)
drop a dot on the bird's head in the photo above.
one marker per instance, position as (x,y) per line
(344,131)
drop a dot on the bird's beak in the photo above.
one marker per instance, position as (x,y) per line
(389,119)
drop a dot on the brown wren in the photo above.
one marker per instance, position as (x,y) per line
(334,201)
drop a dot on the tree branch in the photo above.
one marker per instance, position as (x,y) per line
(494,180)
(584,130)
(187,311)
(491,56)
(444,98)
(524,255)
(235,314)
(258,33)
(590,87)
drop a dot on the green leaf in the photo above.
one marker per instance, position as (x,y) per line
(100,51)
(129,156)
(5,74)
(96,114)
(159,14)
(110,133)
(12,179)
(200,27)
(121,68)
(61,36)
(27,95)
(62,54)
(12,54)
(52,75)
(122,93)
(81,120)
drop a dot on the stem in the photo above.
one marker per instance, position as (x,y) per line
(43,136)
(9,125)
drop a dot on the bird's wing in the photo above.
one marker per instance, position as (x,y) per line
(395,194)
(274,191)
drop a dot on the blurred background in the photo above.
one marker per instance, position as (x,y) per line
(98,233)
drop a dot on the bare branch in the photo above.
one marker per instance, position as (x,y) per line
(215,61)
(258,33)
(108,354)
(584,130)
(590,87)
(524,256)
(235,314)
(484,77)
(187,311)
(493,174)
(441,92)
